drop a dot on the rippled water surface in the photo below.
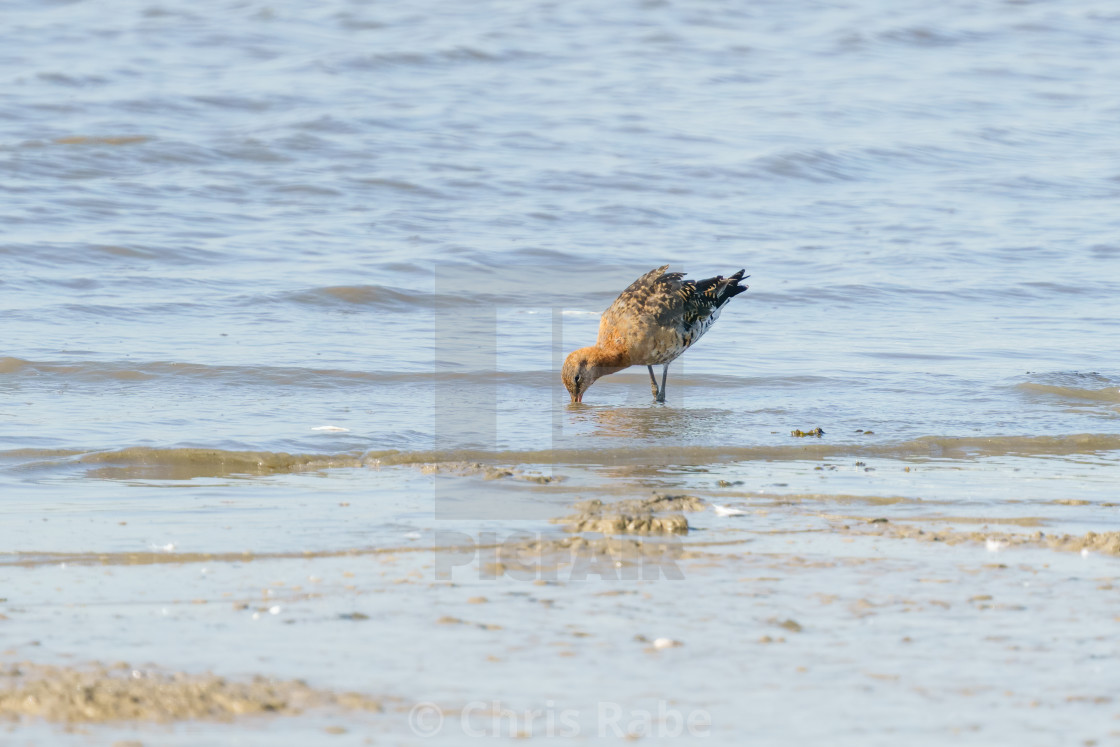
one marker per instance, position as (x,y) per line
(267,267)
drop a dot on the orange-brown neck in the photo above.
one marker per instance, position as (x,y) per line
(607,360)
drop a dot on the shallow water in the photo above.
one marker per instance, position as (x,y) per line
(264,266)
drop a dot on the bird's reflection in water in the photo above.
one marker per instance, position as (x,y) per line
(647,441)
(654,426)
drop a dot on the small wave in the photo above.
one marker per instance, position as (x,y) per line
(1032,187)
(925,448)
(100,255)
(13,365)
(1084,387)
(182,463)
(399,185)
(306,190)
(101,140)
(143,462)
(814,165)
(397,299)
(360,295)
(108,371)
(319,378)
(895,295)
(845,164)
(922,36)
(454,56)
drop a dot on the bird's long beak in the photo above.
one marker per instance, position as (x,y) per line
(577,398)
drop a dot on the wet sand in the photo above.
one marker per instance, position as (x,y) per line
(286,292)
(122,693)
(634,606)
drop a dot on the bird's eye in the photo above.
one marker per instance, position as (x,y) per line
(577,378)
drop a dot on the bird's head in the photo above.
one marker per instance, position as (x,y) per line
(579,373)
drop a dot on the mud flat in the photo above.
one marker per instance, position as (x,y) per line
(633,516)
(642,597)
(97,694)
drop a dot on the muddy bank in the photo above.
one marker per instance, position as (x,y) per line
(170,557)
(100,694)
(486,471)
(633,516)
(1106,543)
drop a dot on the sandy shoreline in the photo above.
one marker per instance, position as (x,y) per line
(588,612)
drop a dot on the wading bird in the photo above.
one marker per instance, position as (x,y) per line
(651,323)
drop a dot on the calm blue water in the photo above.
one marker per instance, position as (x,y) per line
(229,223)
(259,212)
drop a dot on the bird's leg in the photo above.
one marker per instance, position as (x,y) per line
(652,382)
(664,375)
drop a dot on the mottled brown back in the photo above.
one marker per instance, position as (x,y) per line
(660,314)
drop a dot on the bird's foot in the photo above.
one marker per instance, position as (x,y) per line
(659,396)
